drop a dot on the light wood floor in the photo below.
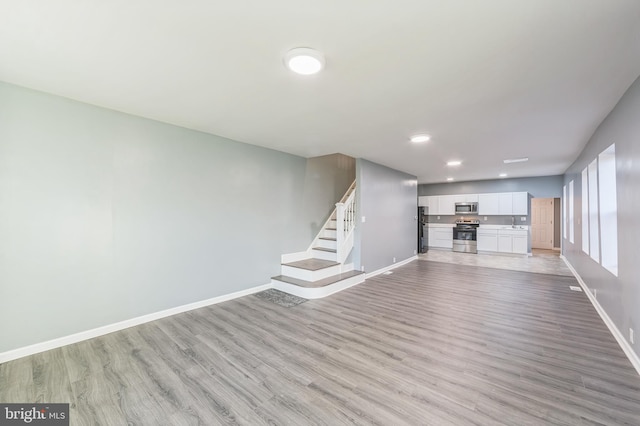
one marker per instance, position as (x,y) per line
(542,261)
(433,343)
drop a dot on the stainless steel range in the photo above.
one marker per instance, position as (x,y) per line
(465,236)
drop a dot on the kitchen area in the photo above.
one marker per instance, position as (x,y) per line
(492,223)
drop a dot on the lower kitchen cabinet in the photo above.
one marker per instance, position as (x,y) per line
(520,244)
(440,237)
(513,241)
(487,240)
(503,240)
(505,243)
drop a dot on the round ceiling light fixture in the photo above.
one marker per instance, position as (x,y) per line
(420,138)
(304,60)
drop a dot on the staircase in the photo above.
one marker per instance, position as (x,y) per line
(321,271)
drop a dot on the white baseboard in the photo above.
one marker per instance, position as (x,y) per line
(390,267)
(294,257)
(628,350)
(101,331)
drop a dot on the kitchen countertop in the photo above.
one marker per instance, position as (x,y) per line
(500,227)
(505,227)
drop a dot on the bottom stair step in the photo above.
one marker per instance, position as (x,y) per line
(320,283)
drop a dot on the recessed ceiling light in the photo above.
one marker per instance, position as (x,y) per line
(516,160)
(303,60)
(502,175)
(454,163)
(449,179)
(420,138)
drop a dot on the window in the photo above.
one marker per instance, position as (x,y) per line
(599,210)
(594,241)
(571,218)
(585,211)
(608,209)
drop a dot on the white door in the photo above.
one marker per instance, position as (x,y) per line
(542,223)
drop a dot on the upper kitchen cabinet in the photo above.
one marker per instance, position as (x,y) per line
(504,203)
(499,203)
(520,203)
(446,205)
(489,204)
(465,198)
(431,202)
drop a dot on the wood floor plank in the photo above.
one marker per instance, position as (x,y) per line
(433,343)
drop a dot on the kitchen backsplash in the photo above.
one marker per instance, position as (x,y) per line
(490,220)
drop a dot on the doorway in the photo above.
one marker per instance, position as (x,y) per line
(542,223)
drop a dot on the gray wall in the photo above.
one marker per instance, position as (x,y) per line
(388,199)
(541,187)
(619,296)
(105,216)
(327,179)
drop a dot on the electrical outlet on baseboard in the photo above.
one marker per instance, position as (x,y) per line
(394,260)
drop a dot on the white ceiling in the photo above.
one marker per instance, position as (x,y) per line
(489,80)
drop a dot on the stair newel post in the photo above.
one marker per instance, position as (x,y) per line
(340,231)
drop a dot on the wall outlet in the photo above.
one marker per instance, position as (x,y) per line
(485,218)
(595,293)
(394,260)
(415,252)
(364,219)
(523,219)
(631,335)
(438,217)
(362,268)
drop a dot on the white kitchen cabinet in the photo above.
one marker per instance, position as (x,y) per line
(488,204)
(513,241)
(465,198)
(429,201)
(519,244)
(505,243)
(441,237)
(520,203)
(446,205)
(433,204)
(505,203)
(487,239)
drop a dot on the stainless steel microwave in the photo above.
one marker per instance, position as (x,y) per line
(466,208)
